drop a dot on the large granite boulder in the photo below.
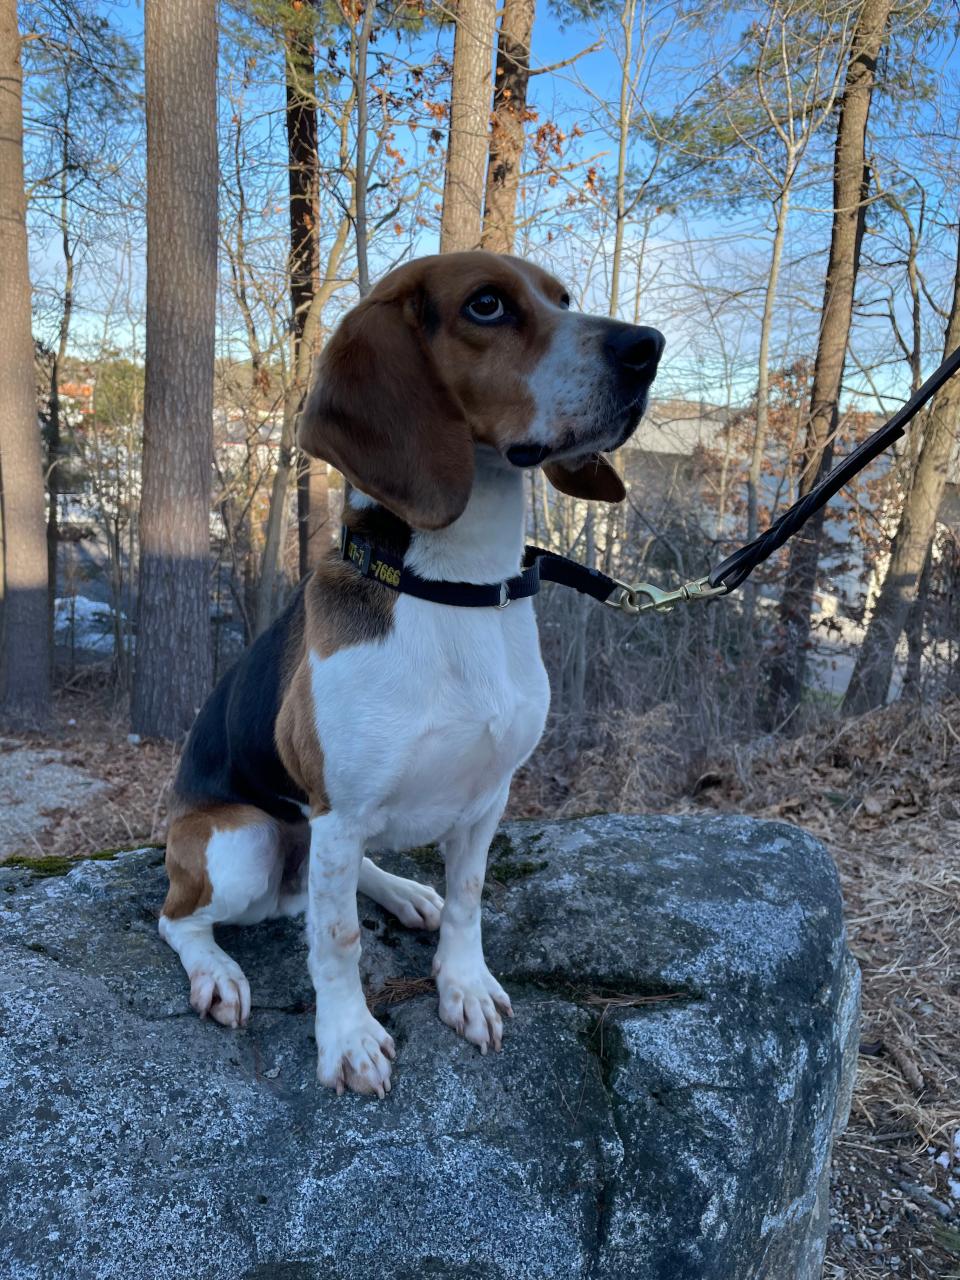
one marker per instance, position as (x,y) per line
(663,1109)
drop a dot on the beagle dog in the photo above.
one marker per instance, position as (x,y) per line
(365,719)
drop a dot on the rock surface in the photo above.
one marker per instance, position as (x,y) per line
(683,1138)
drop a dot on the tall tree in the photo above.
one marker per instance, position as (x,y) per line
(333,95)
(870,680)
(301,117)
(25,665)
(467,146)
(507,125)
(174,668)
(82,109)
(851,180)
(796,78)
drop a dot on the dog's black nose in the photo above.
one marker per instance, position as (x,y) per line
(635,348)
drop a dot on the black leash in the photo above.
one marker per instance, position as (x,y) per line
(540,565)
(737,567)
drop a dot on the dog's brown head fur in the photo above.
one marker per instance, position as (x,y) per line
(468,349)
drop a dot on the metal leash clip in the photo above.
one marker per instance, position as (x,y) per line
(628,600)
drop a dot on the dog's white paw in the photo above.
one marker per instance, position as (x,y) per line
(353,1052)
(418,906)
(471,1002)
(219,989)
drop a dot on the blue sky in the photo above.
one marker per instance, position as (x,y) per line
(704,269)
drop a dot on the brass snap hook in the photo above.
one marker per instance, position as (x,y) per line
(628,598)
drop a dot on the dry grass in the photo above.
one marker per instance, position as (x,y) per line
(621,756)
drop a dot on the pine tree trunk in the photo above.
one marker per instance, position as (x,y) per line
(174,657)
(507,132)
(850,189)
(870,680)
(25,695)
(468,144)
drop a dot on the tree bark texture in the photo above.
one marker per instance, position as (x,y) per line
(507,125)
(25,666)
(627,20)
(850,188)
(303,163)
(174,659)
(870,680)
(54,433)
(468,142)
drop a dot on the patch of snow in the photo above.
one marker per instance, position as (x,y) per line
(84,623)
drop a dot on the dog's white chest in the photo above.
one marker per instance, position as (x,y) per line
(423,732)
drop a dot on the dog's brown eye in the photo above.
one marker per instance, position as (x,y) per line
(486,307)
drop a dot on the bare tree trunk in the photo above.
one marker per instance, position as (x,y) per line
(276,525)
(314,517)
(507,132)
(470,105)
(850,187)
(577,673)
(360,177)
(913,627)
(277,518)
(763,367)
(761,429)
(304,263)
(627,18)
(870,680)
(3,583)
(54,433)
(25,697)
(173,670)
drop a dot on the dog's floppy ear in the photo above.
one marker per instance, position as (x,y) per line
(381,413)
(594,479)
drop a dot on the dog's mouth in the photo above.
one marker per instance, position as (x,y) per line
(572,445)
(528,455)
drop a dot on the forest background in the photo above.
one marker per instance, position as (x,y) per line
(191,197)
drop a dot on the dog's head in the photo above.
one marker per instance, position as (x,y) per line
(473,348)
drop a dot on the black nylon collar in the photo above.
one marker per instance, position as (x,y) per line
(538,565)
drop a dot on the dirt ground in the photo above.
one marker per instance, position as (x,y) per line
(883,792)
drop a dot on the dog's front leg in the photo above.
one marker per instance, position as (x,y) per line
(471,999)
(352,1047)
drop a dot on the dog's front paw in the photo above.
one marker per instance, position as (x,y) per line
(353,1052)
(418,906)
(219,989)
(471,1001)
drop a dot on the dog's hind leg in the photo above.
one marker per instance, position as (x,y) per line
(418,906)
(225,867)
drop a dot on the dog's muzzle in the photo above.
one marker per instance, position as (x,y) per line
(632,352)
